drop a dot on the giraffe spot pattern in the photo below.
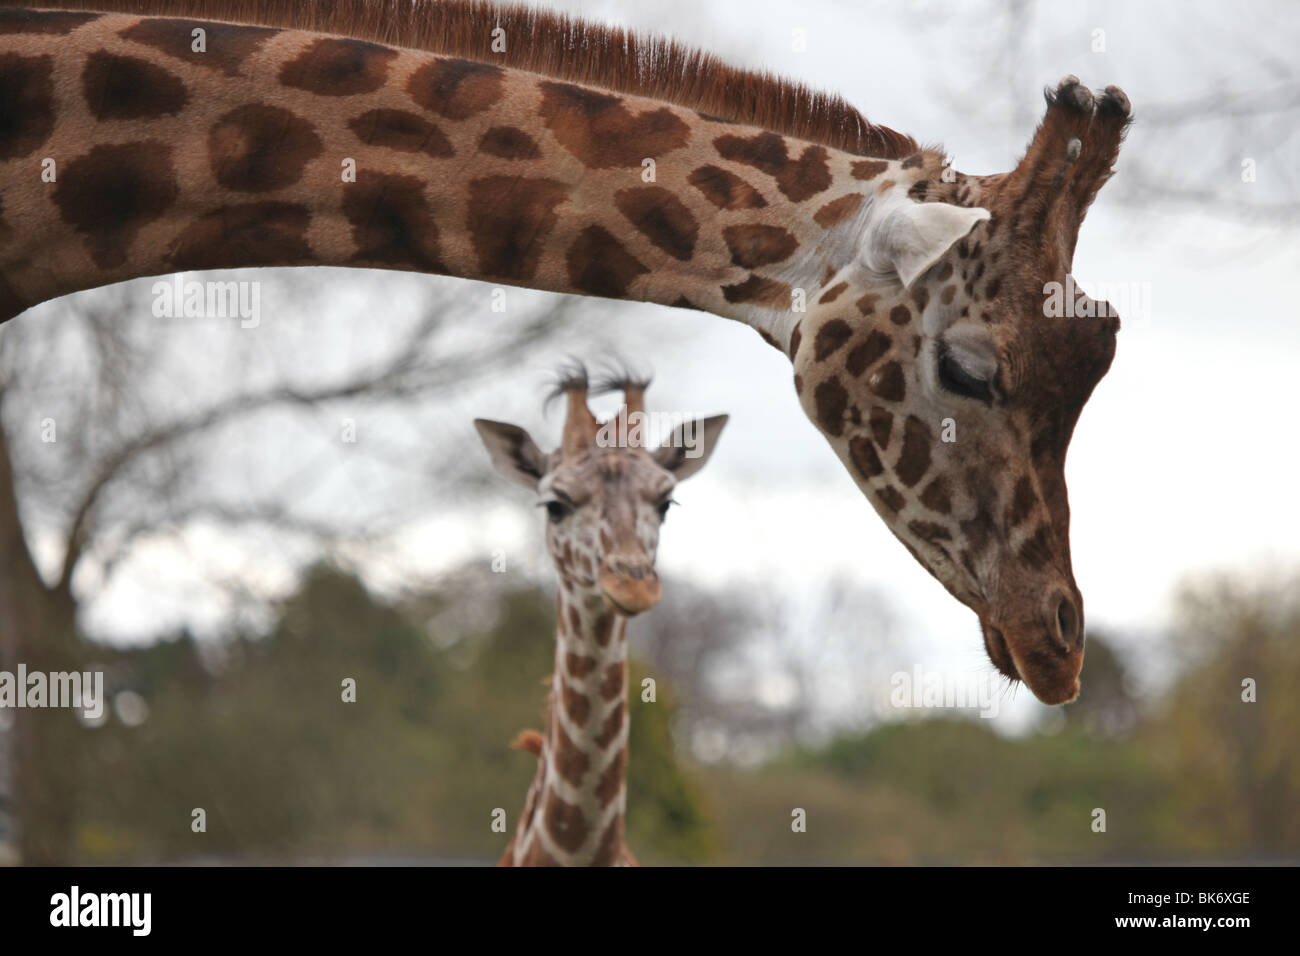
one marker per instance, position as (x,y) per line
(661,217)
(867,304)
(249,234)
(599,265)
(830,337)
(392,224)
(798,179)
(900,315)
(564,822)
(611,780)
(865,458)
(838,210)
(576,705)
(831,400)
(339,67)
(602,132)
(456,89)
(26,104)
(888,382)
(258,148)
(868,168)
(1023,500)
(403,131)
(758,290)
(756,245)
(612,684)
(865,353)
(227,47)
(929,532)
(603,631)
(881,423)
(111,192)
(725,189)
(796,337)
(936,496)
(891,498)
(914,460)
(510,219)
(833,293)
(613,724)
(47,22)
(508,142)
(127,87)
(568,760)
(579,665)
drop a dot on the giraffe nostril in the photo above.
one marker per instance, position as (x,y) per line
(1068,628)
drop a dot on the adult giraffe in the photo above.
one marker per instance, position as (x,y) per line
(605,497)
(910,297)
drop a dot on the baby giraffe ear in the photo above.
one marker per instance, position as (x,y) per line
(513,452)
(687,449)
(908,237)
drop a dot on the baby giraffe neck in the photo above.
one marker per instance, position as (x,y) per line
(574,812)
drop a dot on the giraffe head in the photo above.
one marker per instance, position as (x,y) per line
(951,389)
(605,494)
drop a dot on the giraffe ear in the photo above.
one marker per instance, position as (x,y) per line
(908,237)
(514,453)
(688,448)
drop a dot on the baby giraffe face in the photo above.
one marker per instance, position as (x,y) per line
(604,500)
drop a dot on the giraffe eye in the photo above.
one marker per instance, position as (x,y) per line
(954,377)
(556,510)
(663,507)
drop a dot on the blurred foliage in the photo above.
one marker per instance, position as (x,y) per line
(255,733)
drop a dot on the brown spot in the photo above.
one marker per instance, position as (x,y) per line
(914,460)
(885,185)
(900,315)
(831,400)
(258,148)
(1023,501)
(833,293)
(864,457)
(604,630)
(1037,550)
(599,265)
(798,179)
(111,192)
(392,224)
(508,142)
(992,289)
(611,781)
(47,22)
(681,302)
(759,290)
(612,684)
(724,189)
(456,89)
(602,132)
(400,130)
(26,103)
(569,761)
(888,382)
(339,67)
(575,616)
(576,704)
(767,337)
(929,532)
(564,822)
(868,168)
(830,337)
(945,272)
(509,220)
(881,423)
(798,384)
(610,848)
(795,338)
(758,245)
(249,234)
(838,210)
(611,727)
(661,217)
(936,497)
(227,47)
(867,304)
(865,353)
(126,87)
(891,498)
(579,665)
(948,294)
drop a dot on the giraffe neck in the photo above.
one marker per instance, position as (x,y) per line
(573,815)
(128,153)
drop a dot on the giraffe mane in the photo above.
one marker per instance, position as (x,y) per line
(557,45)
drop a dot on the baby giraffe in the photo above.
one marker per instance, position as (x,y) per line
(605,496)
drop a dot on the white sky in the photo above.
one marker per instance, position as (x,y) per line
(1185,458)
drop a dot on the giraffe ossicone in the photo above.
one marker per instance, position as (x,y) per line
(604,501)
(906,294)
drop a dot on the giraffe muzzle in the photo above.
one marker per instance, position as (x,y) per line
(1046,654)
(630,587)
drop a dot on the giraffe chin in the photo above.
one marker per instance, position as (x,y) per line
(631,597)
(1024,655)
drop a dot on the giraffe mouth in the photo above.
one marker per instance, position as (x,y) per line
(999,653)
(1052,675)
